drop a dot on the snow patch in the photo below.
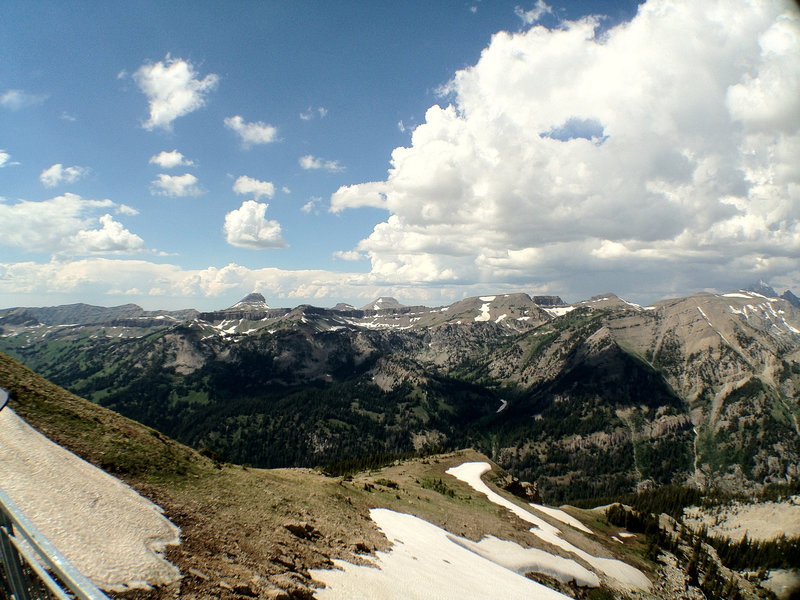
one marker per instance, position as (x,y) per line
(484,316)
(500,318)
(427,562)
(633,304)
(106,530)
(558,311)
(503,405)
(487,298)
(622,572)
(560,515)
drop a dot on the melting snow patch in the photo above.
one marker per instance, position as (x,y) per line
(500,318)
(427,562)
(622,572)
(484,316)
(633,304)
(737,295)
(559,311)
(502,406)
(104,528)
(563,517)
(487,298)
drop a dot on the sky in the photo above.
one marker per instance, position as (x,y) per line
(184,154)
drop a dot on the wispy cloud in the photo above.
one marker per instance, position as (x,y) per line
(5,159)
(529,17)
(17,99)
(311,113)
(312,206)
(173,89)
(310,162)
(251,134)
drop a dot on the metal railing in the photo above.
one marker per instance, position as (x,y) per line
(32,568)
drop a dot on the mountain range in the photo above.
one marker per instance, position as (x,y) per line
(588,399)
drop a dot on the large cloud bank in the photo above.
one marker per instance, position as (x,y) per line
(668,146)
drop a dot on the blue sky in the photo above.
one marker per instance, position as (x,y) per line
(185,154)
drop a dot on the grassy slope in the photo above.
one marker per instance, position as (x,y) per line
(233,518)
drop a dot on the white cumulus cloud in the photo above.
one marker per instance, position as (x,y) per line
(173,89)
(310,162)
(170,160)
(251,134)
(247,185)
(65,225)
(175,185)
(58,174)
(349,255)
(111,238)
(248,227)
(630,161)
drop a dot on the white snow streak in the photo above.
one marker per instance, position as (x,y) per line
(616,569)
(563,517)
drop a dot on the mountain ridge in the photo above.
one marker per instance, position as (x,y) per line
(323,385)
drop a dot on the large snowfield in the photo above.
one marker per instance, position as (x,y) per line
(427,562)
(623,573)
(106,530)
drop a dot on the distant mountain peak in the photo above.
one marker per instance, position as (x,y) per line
(789,296)
(382,303)
(763,288)
(251,301)
(344,306)
(548,301)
